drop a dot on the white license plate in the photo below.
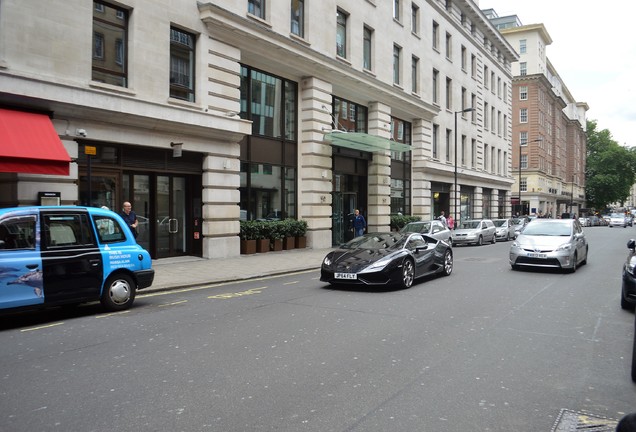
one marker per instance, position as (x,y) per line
(345,276)
(537,255)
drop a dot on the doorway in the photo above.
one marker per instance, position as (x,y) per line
(171,226)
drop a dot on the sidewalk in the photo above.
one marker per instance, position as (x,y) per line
(188,271)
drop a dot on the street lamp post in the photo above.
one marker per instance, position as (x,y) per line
(465,110)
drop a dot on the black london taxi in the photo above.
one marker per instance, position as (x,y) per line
(59,255)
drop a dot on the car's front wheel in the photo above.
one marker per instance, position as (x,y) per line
(448,263)
(480,241)
(408,273)
(574,263)
(119,292)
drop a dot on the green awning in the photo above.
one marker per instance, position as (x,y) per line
(364,142)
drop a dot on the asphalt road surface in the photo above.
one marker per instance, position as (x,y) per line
(485,349)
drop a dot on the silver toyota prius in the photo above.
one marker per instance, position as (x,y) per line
(550,243)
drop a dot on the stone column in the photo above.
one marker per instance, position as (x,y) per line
(315,161)
(379,177)
(477,212)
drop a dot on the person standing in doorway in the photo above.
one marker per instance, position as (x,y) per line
(130,218)
(359,224)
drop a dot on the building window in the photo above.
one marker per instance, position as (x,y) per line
(256,8)
(464,58)
(523,68)
(367,38)
(181,65)
(522,46)
(415,18)
(449,94)
(473,65)
(463,154)
(435,141)
(473,104)
(298,17)
(473,153)
(435,86)
(349,116)
(523,184)
(415,79)
(435,36)
(396,9)
(449,134)
(400,168)
(524,161)
(110,30)
(523,93)
(464,93)
(485,76)
(492,82)
(397,53)
(269,154)
(486,111)
(523,115)
(270,103)
(449,46)
(523,138)
(341,34)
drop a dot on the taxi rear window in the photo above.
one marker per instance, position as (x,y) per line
(18,233)
(108,230)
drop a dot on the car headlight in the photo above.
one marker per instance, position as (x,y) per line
(515,244)
(564,246)
(378,265)
(630,266)
(327,261)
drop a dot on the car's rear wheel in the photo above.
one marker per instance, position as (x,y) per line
(119,292)
(586,252)
(408,273)
(448,263)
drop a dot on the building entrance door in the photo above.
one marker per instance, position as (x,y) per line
(172,226)
(343,207)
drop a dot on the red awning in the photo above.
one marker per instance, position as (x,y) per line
(30,144)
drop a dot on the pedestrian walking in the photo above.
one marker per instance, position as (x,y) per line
(450,222)
(443,218)
(359,224)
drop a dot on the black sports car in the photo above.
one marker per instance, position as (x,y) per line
(387,258)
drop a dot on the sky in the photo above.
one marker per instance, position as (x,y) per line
(594,52)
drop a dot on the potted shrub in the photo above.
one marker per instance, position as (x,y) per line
(262,236)
(300,233)
(276,234)
(289,237)
(248,233)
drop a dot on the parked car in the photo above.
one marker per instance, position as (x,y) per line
(519,224)
(392,258)
(504,229)
(550,243)
(477,231)
(628,289)
(585,221)
(433,228)
(617,220)
(69,255)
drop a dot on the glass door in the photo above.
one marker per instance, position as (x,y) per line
(171,219)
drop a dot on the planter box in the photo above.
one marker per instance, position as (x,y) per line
(301,242)
(276,245)
(248,247)
(262,245)
(289,243)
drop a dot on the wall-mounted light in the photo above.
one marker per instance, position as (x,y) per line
(176,149)
(323,174)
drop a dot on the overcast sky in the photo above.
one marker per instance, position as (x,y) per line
(593,50)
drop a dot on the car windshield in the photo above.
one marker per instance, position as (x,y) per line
(617,215)
(377,241)
(548,229)
(499,222)
(470,225)
(423,227)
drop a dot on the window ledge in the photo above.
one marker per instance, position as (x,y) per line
(183,103)
(112,88)
(300,39)
(343,59)
(259,19)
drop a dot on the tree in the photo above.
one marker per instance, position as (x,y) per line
(610,168)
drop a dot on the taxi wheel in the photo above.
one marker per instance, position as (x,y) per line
(119,292)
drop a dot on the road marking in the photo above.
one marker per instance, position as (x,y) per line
(112,314)
(227,296)
(41,327)
(173,303)
(291,283)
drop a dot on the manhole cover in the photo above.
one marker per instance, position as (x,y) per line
(572,421)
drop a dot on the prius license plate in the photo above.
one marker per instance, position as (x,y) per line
(346,276)
(537,255)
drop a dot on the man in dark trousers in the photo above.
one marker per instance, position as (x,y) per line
(359,224)
(130,218)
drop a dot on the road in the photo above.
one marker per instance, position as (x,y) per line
(485,349)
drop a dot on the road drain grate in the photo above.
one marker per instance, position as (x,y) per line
(573,421)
